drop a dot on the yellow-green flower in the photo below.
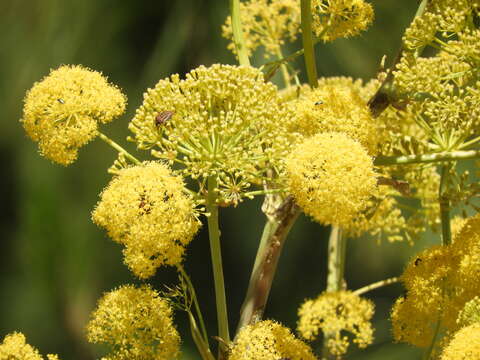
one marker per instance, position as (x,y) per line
(336,105)
(136,323)
(62,111)
(334,313)
(331,177)
(465,344)
(266,23)
(268,340)
(14,347)
(334,19)
(147,209)
(222,121)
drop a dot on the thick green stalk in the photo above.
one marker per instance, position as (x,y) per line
(445,205)
(427,158)
(336,270)
(216,255)
(238,38)
(118,148)
(308,46)
(275,232)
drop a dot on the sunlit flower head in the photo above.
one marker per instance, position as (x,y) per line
(331,177)
(14,347)
(336,314)
(268,340)
(267,23)
(465,344)
(223,121)
(336,105)
(340,18)
(147,209)
(136,323)
(62,111)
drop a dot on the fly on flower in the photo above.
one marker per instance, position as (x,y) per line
(163,117)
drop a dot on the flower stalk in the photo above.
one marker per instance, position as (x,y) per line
(238,37)
(119,148)
(308,45)
(275,232)
(216,255)
(427,158)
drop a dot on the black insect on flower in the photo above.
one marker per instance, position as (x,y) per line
(163,117)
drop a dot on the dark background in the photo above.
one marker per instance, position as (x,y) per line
(55,263)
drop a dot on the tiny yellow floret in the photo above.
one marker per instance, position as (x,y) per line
(136,323)
(268,340)
(331,178)
(62,111)
(334,313)
(147,209)
(14,347)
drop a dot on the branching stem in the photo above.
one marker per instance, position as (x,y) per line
(118,148)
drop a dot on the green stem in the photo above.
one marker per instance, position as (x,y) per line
(283,68)
(445,205)
(275,232)
(376,285)
(118,148)
(336,271)
(427,158)
(238,37)
(216,255)
(308,47)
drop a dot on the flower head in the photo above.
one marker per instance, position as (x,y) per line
(62,111)
(147,209)
(14,347)
(266,23)
(334,313)
(136,323)
(268,340)
(465,344)
(225,121)
(331,177)
(340,18)
(336,105)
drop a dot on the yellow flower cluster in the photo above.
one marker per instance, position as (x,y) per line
(470,313)
(14,347)
(331,177)
(439,282)
(335,105)
(268,340)
(266,23)
(225,121)
(62,111)
(334,313)
(333,19)
(136,323)
(465,344)
(147,209)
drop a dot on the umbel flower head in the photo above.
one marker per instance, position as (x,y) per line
(147,209)
(336,105)
(62,111)
(465,344)
(333,19)
(268,340)
(136,323)
(331,177)
(14,347)
(337,313)
(266,23)
(222,121)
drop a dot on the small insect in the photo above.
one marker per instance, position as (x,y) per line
(163,117)
(319,102)
(417,261)
(61,101)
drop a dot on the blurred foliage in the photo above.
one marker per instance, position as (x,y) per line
(55,263)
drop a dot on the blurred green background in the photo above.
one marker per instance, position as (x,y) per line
(55,263)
